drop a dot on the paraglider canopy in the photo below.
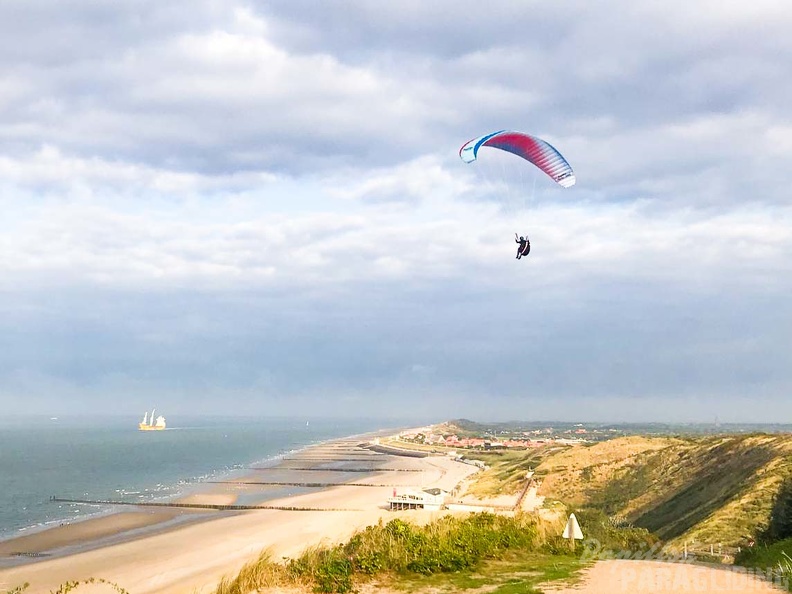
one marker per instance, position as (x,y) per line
(532,149)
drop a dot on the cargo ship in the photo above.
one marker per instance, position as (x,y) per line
(150,424)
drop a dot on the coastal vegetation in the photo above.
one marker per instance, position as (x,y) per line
(512,573)
(461,552)
(69,586)
(700,490)
(715,490)
(631,495)
(448,544)
(773,550)
(779,527)
(711,494)
(776,555)
(505,472)
(720,497)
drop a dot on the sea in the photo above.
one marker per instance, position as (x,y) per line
(107,458)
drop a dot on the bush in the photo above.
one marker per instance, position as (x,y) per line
(448,544)
(780,524)
(334,574)
(328,568)
(613,535)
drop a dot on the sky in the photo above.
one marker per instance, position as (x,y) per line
(258,208)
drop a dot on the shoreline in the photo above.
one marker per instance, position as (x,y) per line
(31,539)
(167,550)
(31,513)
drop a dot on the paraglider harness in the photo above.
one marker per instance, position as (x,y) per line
(525,246)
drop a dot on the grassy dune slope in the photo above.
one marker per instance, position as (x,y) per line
(707,489)
(506,472)
(711,489)
(576,475)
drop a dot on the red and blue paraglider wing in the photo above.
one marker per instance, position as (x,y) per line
(532,149)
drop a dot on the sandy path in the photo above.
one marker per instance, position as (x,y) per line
(193,558)
(658,577)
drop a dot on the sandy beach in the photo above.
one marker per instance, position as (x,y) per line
(144,552)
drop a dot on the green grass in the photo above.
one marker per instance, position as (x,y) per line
(610,534)
(628,495)
(446,545)
(706,489)
(514,573)
(259,573)
(629,484)
(506,472)
(67,587)
(774,561)
(722,472)
(762,555)
(513,553)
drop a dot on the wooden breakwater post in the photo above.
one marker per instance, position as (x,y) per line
(213,506)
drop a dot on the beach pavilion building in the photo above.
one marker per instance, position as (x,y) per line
(429,499)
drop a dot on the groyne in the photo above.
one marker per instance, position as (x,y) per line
(212,506)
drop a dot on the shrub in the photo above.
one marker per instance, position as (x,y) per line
(329,569)
(448,544)
(613,535)
(780,524)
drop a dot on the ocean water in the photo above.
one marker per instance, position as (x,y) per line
(108,458)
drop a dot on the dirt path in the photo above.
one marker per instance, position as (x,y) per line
(658,577)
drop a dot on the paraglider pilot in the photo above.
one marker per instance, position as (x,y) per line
(524,248)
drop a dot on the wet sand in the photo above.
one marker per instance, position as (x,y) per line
(65,535)
(109,527)
(156,557)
